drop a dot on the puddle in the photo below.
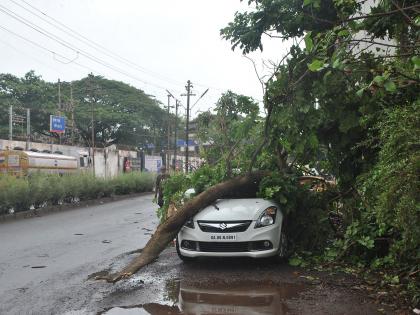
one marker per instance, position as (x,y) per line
(106,241)
(78,234)
(218,297)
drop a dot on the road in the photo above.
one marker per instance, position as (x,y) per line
(47,263)
(61,249)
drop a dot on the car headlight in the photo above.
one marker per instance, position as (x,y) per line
(268,217)
(189,223)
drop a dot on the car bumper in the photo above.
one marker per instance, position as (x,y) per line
(269,233)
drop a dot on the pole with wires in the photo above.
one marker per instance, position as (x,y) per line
(168,156)
(175,133)
(187,127)
(28,129)
(59,106)
(11,122)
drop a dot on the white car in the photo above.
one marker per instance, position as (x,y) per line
(234,228)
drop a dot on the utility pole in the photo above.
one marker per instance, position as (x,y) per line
(93,125)
(175,129)
(188,87)
(168,158)
(72,114)
(11,122)
(59,106)
(28,128)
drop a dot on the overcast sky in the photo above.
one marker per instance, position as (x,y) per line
(153,45)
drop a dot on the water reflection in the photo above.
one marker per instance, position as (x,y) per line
(218,297)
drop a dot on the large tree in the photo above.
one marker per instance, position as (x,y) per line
(122,114)
(30,92)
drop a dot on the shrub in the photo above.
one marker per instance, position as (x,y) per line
(15,194)
(40,189)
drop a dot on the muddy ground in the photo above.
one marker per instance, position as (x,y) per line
(58,281)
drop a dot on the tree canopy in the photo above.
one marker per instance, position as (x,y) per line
(122,113)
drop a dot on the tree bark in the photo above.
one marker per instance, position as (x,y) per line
(241,186)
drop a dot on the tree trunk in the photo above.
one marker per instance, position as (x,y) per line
(242,186)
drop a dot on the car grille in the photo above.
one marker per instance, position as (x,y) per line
(223,246)
(224,226)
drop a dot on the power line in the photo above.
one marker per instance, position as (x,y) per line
(92,44)
(44,48)
(29,56)
(72,47)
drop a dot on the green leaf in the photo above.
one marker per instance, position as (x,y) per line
(313,141)
(390,86)
(343,33)
(309,44)
(316,65)
(416,61)
(360,92)
(295,261)
(336,63)
(379,80)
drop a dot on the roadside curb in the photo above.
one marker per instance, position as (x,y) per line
(59,208)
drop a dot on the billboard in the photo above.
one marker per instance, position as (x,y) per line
(57,124)
(152,163)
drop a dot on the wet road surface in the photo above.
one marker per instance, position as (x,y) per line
(76,244)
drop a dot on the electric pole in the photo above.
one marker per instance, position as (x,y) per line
(28,128)
(11,122)
(90,89)
(72,114)
(168,158)
(59,106)
(188,87)
(175,129)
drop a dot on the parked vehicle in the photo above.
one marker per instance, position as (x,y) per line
(234,228)
(21,163)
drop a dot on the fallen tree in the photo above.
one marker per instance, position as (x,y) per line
(241,186)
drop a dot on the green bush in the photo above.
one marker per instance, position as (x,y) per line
(15,194)
(38,190)
(391,188)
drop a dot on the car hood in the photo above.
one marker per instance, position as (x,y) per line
(234,209)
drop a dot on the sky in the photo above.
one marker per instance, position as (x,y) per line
(153,45)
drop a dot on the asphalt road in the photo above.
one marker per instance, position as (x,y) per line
(46,265)
(63,248)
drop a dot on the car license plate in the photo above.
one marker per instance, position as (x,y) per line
(223,237)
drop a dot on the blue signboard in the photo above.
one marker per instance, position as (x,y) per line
(57,124)
(181,143)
